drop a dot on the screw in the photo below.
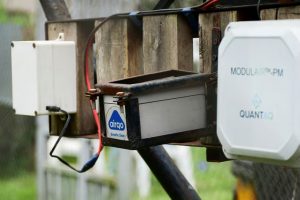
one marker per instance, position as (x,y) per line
(214,57)
(120,94)
(93,90)
(215,41)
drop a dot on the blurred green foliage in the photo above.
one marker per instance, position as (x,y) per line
(17,133)
(25,20)
(18,18)
(18,188)
(16,143)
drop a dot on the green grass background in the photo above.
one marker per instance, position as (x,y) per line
(22,187)
(213,181)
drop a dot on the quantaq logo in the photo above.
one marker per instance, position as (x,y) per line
(257,112)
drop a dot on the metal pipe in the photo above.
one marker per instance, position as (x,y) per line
(169,176)
(162,4)
(55,10)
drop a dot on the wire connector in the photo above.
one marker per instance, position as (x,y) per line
(88,165)
(53,108)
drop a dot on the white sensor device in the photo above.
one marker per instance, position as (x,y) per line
(258,115)
(43,74)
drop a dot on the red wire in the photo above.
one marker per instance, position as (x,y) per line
(87,78)
(88,84)
(209,4)
(204,6)
(97,120)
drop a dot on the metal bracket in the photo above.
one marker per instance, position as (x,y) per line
(121,97)
(216,40)
(93,94)
(215,155)
(211,101)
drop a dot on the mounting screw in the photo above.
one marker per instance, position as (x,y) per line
(120,94)
(33,44)
(93,90)
(214,57)
(12,44)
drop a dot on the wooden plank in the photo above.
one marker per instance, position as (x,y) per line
(281,13)
(82,122)
(208,21)
(268,14)
(167,43)
(118,50)
(119,55)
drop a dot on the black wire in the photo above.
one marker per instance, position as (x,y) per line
(258,9)
(89,164)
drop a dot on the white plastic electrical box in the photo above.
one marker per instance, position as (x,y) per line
(258,115)
(43,74)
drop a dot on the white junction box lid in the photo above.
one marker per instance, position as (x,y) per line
(43,74)
(258,114)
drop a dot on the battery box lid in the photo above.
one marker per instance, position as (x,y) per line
(259,90)
(163,80)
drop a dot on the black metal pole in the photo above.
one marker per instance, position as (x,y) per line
(169,176)
(55,10)
(162,4)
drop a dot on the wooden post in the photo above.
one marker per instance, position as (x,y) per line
(167,43)
(82,122)
(118,50)
(119,55)
(208,22)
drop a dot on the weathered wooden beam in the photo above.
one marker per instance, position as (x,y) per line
(167,43)
(118,50)
(281,13)
(82,122)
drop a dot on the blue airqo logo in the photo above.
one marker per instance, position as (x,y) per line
(116,122)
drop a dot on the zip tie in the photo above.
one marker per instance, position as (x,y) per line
(134,18)
(187,9)
(191,18)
